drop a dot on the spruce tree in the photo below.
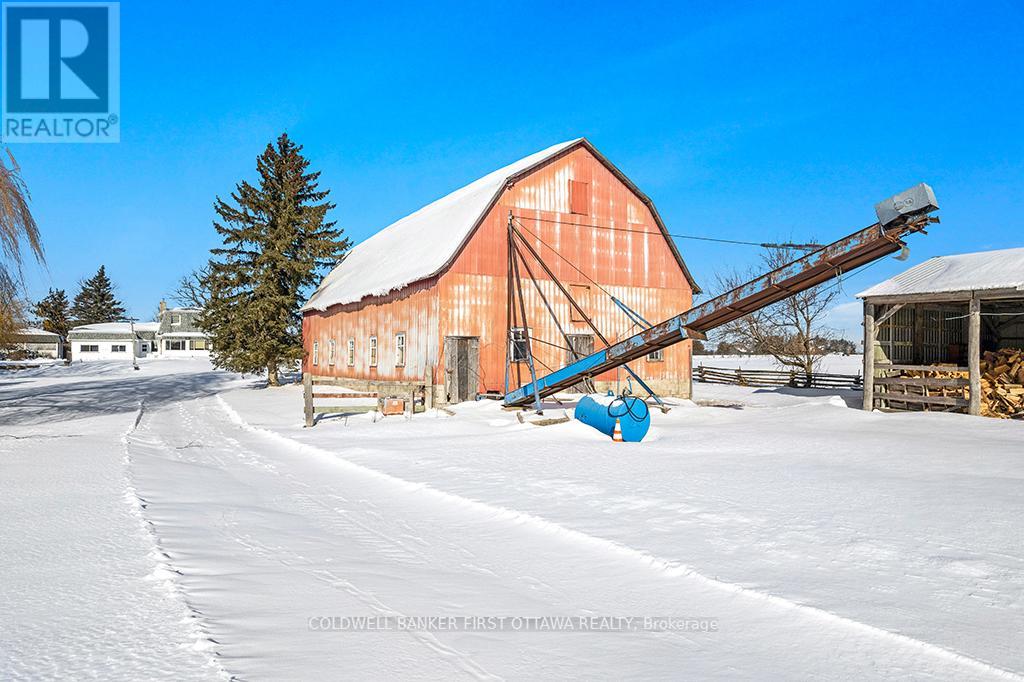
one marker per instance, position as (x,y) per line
(277,242)
(54,313)
(95,301)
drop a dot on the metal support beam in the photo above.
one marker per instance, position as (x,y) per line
(841,256)
(582,313)
(508,308)
(526,334)
(631,314)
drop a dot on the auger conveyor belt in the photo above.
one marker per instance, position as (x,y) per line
(830,261)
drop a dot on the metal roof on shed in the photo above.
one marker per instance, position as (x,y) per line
(980,271)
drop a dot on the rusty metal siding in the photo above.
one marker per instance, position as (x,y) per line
(412,310)
(469,298)
(639,269)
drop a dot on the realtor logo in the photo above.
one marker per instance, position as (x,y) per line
(61,72)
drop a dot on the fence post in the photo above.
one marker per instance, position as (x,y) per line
(869,357)
(307,397)
(974,355)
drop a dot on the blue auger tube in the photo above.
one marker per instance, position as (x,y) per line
(633,414)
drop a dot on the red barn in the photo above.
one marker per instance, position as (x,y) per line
(424,301)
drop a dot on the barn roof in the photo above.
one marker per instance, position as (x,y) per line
(423,243)
(981,271)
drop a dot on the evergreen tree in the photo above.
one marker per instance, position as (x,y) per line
(276,244)
(54,313)
(95,301)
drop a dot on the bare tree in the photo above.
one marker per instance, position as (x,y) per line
(192,291)
(792,331)
(12,318)
(17,229)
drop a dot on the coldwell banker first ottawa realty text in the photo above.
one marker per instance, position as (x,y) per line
(61,72)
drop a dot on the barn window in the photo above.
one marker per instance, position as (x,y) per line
(656,355)
(518,346)
(316,352)
(580,294)
(579,197)
(373,351)
(351,352)
(400,350)
(330,352)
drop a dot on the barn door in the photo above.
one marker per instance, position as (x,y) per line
(583,344)
(462,362)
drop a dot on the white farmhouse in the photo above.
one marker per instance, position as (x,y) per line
(178,334)
(174,335)
(113,340)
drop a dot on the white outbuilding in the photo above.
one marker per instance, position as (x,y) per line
(175,335)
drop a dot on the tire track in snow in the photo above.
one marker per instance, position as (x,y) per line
(164,569)
(457,659)
(665,567)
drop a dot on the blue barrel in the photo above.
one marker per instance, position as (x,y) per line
(633,414)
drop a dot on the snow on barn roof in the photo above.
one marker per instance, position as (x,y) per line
(981,271)
(421,244)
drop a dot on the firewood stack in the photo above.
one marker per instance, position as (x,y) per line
(1002,383)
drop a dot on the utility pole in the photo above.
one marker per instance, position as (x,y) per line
(131,321)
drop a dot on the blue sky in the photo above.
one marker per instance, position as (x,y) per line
(740,121)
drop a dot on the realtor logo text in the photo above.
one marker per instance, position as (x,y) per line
(61,74)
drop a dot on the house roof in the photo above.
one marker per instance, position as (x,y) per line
(981,271)
(35,331)
(423,243)
(34,335)
(112,330)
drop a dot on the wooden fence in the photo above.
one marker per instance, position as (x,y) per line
(416,397)
(774,377)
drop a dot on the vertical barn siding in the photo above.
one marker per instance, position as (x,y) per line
(412,310)
(639,269)
(469,298)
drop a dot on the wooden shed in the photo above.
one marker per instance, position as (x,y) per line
(423,301)
(927,332)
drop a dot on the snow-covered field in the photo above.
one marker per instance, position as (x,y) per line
(179,523)
(835,364)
